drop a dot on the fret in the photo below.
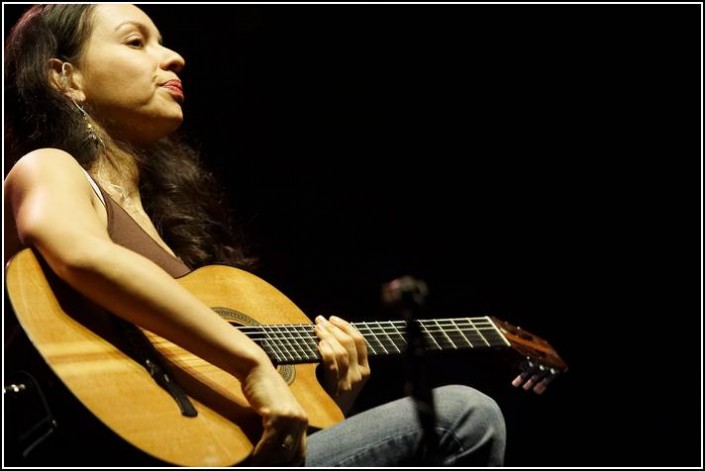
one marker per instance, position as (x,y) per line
(370,339)
(397,337)
(307,339)
(286,343)
(459,335)
(266,346)
(289,348)
(293,348)
(269,346)
(386,341)
(493,335)
(484,329)
(445,340)
(285,346)
(281,358)
(427,336)
(298,343)
(472,332)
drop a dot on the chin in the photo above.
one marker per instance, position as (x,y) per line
(147,136)
(166,127)
(174,124)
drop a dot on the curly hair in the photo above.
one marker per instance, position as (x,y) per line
(181,197)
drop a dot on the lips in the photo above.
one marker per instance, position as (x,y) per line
(175,88)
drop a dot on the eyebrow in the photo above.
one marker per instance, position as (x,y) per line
(141,26)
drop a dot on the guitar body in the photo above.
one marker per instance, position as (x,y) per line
(79,343)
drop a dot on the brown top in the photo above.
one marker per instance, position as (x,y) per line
(125,231)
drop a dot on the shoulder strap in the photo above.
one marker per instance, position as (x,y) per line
(95,187)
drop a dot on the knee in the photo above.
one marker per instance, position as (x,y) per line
(463,403)
(474,428)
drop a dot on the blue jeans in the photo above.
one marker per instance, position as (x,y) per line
(469,425)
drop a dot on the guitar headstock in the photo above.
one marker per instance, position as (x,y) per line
(540,362)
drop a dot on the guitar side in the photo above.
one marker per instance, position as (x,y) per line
(79,344)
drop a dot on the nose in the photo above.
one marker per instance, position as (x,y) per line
(172,61)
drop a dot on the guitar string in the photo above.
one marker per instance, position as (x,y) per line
(305,333)
(445,335)
(448,323)
(269,337)
(288,341)
(441,326)
(397,333)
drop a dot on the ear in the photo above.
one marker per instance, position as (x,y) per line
(65,78)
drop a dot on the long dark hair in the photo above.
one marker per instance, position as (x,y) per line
(183,199)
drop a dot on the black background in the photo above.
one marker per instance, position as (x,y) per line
(538,163)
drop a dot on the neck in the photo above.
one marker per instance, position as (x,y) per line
(297,343)
(118,173)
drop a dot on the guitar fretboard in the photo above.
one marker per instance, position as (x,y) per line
(298,343)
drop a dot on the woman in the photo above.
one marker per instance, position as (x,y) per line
(96,99)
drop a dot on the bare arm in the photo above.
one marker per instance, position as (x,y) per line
(51,201)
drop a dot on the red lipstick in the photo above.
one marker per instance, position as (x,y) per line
(175,88)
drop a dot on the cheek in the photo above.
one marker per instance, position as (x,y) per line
(128,88)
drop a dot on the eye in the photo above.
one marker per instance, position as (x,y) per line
(135,42)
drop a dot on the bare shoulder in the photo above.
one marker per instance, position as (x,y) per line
(46,167)
(49,200)
(46,160)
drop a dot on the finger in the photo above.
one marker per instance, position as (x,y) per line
(358,338)
(326,331)
(274,450)
(295,446)
(331,366)
(342,324)
(327,355)
(323,329)
(346,341)
(283,440)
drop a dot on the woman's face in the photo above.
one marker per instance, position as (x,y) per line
(128,78)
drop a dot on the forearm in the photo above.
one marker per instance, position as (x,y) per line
(137,290)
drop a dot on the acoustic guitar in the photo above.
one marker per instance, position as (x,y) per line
(184,411)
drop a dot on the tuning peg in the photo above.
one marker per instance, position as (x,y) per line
(527,368)
(534,376)
(540,388)
(539,373)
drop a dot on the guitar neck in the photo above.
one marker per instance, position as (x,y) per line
(298,343)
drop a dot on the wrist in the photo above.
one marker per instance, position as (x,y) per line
(251,365)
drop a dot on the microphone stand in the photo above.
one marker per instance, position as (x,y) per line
(407,296)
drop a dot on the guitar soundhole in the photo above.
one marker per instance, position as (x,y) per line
(288,372)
